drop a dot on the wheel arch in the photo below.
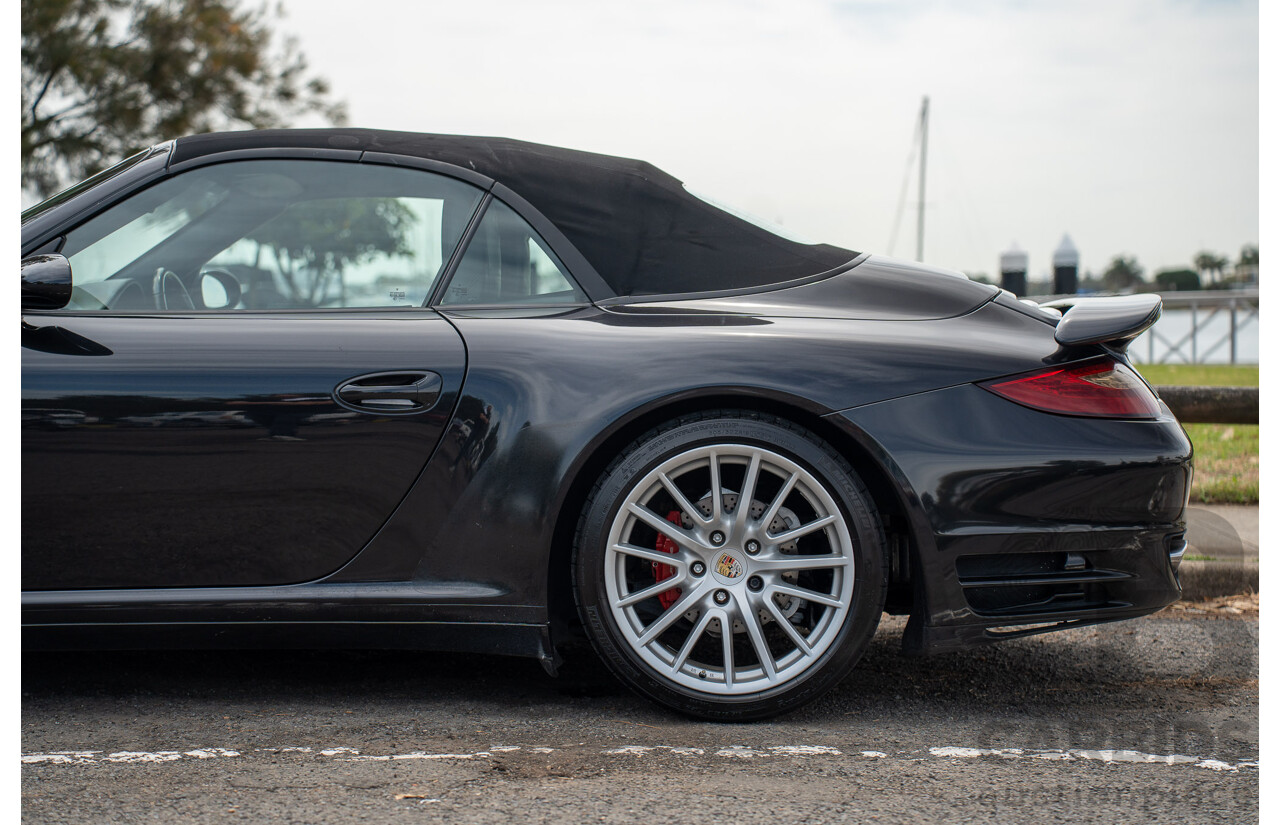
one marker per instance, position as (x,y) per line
(885,484)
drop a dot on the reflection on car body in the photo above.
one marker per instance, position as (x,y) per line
(53,419)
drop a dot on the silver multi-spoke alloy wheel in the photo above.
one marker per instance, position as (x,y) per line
(730,566)
(736,569)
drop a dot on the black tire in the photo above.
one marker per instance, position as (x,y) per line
(809,487)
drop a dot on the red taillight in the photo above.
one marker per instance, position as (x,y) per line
(1102,389)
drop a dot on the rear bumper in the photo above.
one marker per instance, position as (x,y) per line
(1024,522)
(994,587)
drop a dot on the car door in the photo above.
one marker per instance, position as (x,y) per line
(246,381)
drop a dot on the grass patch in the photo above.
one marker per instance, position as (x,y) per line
(1200,375)
(1226,454)
(1226,463)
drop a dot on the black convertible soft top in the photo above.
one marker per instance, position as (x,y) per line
(644,233)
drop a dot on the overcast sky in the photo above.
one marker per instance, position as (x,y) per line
(1132,126)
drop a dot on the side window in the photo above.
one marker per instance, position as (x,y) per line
(508,263)
(272,234)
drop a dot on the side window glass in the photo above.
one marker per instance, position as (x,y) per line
(507,263)
(268,234)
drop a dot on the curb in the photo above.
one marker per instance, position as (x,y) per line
(1213,579)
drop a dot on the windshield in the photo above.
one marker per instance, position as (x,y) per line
(85,185)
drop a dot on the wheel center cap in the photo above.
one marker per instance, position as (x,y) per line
(728,569)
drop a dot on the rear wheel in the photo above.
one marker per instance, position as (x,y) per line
(730,566)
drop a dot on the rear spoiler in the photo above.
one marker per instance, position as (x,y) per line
(1114,321)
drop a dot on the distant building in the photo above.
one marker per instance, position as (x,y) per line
(1013,270)
(1066,268)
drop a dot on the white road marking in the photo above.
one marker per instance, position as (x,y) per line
(740,752)
(350,754)
(143,756)
(212,753)
(641,750)
(805,750)
(60,757)
(970,753)
(1111,756)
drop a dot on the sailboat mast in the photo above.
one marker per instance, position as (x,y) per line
(924,151)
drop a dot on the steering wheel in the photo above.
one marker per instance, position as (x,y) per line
(169,292)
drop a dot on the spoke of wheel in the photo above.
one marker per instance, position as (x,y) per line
(806,594)
(726,645)
(784,562)
(756,633)
(717,505)
(772,512)
(667,619)
(666,528)
(802,530)
(649,554)
(694,635)
(681,500)
(650,591)
(748,491)
(800,641)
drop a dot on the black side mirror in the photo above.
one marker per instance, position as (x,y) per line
(46,282)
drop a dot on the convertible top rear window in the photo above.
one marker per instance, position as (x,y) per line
(637,225)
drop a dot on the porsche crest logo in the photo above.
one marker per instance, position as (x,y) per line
(728,566)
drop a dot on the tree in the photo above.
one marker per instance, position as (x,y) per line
(1123,273)
(1247,266)
(1174,280)
(313,243)
(1210,263)
(102,79)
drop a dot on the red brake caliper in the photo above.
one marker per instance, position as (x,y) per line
(662,572)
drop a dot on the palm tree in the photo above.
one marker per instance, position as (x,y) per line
(1247,266)
(1207,262)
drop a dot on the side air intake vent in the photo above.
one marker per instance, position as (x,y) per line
(1029,583)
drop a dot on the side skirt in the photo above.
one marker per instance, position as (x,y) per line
(527,640)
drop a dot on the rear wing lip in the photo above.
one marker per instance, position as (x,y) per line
(1114,321)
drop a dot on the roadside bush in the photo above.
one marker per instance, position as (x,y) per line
(1179,280)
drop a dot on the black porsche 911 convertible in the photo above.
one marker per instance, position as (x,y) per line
(349,388)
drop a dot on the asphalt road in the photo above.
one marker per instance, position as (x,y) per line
(1141,721)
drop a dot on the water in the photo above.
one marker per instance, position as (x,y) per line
(1213,338)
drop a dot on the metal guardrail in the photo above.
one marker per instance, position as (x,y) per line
(1240,304)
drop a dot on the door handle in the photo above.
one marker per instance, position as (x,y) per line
(405,392)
